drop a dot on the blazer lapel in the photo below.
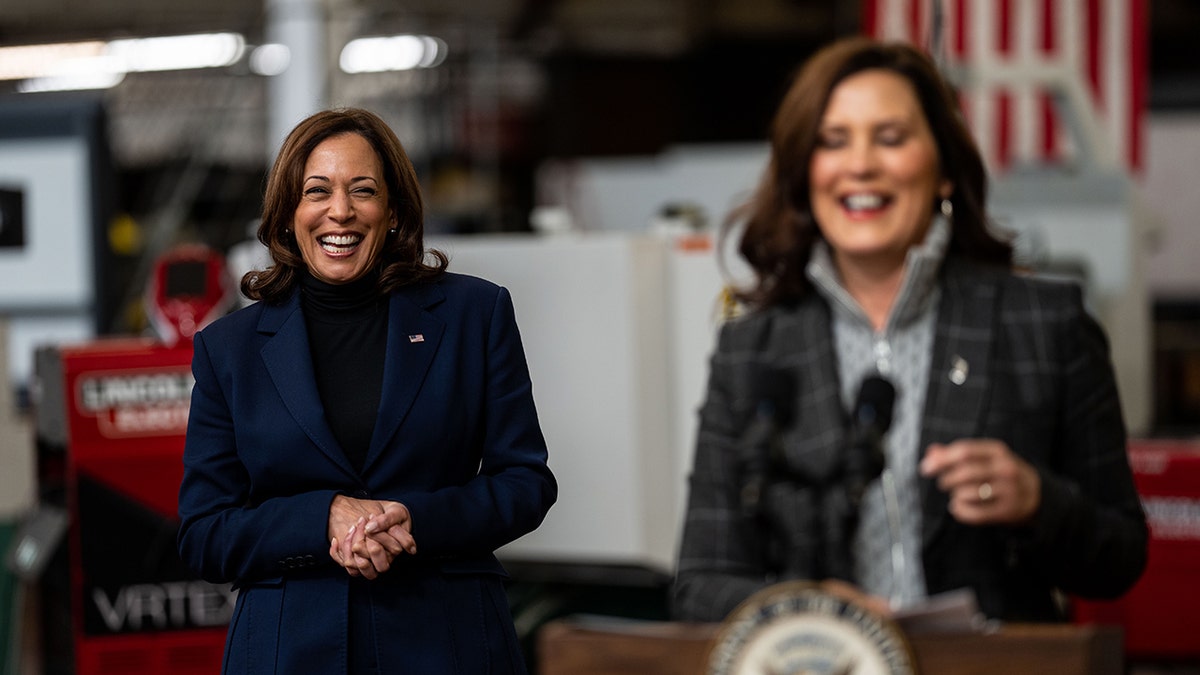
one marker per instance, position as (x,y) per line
(960,372)
(819,434)
(412,341)
(288,360)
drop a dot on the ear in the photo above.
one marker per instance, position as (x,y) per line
(945,189)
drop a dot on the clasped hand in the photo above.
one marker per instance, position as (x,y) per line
(366,535)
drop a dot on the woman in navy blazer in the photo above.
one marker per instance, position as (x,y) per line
(364,437)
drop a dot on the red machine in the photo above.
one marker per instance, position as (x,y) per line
(136,609)
(1161,612)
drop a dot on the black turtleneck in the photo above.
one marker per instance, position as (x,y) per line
(347,332)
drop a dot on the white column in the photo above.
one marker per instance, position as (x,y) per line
(302,88)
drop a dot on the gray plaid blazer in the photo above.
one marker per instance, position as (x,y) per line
(1038,376)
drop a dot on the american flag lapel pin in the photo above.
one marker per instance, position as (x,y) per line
(419,337)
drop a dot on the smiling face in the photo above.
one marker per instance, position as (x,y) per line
(342,219)
(874,174)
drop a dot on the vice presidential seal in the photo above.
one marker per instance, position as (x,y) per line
(796,628)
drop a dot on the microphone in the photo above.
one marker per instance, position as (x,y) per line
(773,391)
(870,420)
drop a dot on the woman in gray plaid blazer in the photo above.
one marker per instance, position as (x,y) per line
(1006,470)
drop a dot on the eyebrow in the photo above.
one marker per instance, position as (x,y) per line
(889,121)
(327,180)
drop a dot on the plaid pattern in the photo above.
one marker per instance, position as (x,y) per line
(1039,378)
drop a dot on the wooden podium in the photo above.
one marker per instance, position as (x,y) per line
(598,646)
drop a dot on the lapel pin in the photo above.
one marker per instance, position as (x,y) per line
(959,370)
(419,337)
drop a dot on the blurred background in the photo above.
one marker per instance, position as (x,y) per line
(582,153)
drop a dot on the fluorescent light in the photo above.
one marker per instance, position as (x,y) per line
(98,65)
(180,52)
(435,52)
(19,63)
(397,52)
(270,59)
(70,82)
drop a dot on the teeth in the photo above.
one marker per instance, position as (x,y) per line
(340,240)
(860,202)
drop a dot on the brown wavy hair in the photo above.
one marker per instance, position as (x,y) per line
(779,228)
(403,259)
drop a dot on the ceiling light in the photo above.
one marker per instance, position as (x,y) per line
(180,52)
(19,63)
(98,65)
(397,52)
(69,82)
(435,52)
(270,59)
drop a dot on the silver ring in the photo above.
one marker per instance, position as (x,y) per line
(985,492)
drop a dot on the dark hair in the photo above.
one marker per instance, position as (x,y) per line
(779,228)
(402,259)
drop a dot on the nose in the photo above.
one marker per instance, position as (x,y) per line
(862,159)
(341,208)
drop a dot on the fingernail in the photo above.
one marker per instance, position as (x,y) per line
(372,526)
(352,528)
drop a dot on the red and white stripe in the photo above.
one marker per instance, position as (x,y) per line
(1100,44)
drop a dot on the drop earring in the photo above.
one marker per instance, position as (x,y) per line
(947,208)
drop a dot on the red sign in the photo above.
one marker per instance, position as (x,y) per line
(136,609)
(1161,612)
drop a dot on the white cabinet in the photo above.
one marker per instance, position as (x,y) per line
(617,329)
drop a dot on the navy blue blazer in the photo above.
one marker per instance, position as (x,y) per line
(457,441)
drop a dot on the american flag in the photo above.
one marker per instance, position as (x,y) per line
(1099,45)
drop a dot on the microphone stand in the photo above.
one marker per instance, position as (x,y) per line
(862,463)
